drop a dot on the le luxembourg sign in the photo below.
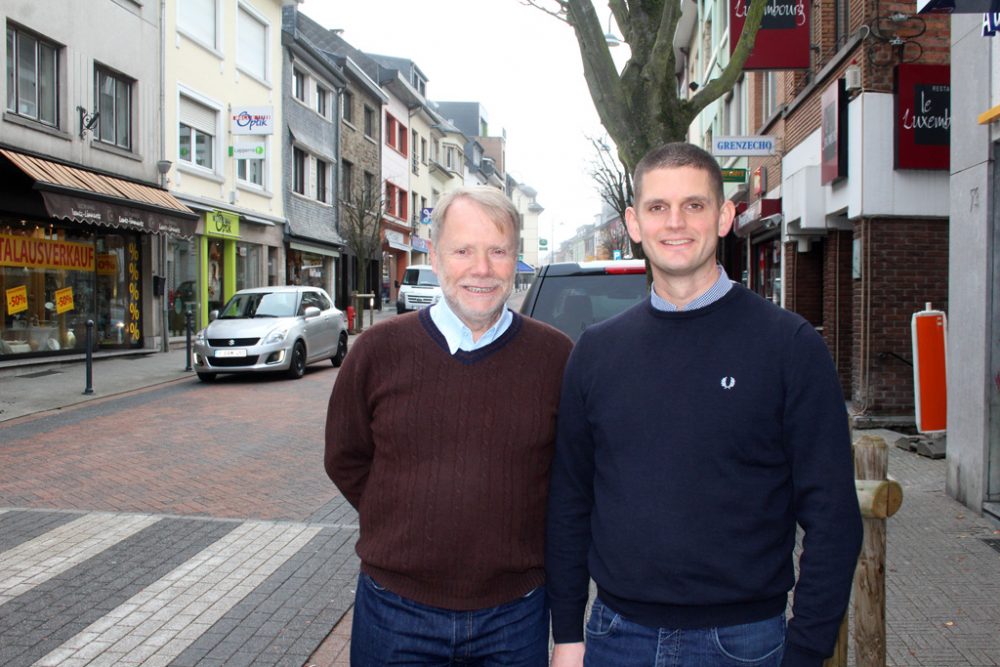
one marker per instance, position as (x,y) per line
(757,146)
(783,39)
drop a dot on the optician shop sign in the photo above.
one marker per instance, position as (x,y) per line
(252,120)
(737,146)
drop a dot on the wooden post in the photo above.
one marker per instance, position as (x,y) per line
(839,657)
(871,462)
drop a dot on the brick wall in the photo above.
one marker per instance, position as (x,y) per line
(904,265)
(838,303)
(803,282)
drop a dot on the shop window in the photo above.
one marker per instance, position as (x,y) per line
(251,170)
(247,266)
(114,103)
(198,19)
(216,282)
(32,76)
(252,51)
(182,281)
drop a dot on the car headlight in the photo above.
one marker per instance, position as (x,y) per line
(276,335)
(200,337)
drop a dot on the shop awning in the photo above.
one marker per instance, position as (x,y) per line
(759,214)
(524,267)
(82,195)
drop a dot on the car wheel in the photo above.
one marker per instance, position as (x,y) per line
(399,309)
(206,377)
(297,366)
(338,358)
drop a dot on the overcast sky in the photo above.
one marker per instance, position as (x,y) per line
(521,64)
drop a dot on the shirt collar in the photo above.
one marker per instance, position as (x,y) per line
(458,336)
(719,289)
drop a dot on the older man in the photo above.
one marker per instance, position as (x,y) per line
(440,432)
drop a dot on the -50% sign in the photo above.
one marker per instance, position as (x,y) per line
(17,299)
(64,300)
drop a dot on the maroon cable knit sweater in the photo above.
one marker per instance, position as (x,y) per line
(446,458)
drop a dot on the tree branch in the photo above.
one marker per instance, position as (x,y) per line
(718,86)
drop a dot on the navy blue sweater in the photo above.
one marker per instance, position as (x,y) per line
(689,445)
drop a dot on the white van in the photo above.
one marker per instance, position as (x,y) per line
(419,289)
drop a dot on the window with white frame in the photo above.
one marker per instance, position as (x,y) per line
(114,103)
(322,100)
(251,47)
(32,76)
(347,106)
(299,85)
(198,19)
(251,170)
(197,129)
(322,180)
(299,160)
(769,96)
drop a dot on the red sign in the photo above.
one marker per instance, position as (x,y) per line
(783,39)
(930,370)
(923,116)
(833,133)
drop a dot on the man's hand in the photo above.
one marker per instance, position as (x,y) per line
(568,655)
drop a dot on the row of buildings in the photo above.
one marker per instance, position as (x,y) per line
(155,157)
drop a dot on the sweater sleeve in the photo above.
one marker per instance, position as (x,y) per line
(349,442)
(571,496)
(817,439)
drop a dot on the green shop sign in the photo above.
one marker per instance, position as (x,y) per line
(222,224)
(734,175)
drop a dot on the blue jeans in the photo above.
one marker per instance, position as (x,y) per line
(615,641)
(391,630)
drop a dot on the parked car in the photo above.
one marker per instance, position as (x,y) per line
(268,329)
(571,296)
(419,289)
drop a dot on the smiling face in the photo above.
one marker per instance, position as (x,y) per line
(474,259)
(678,220)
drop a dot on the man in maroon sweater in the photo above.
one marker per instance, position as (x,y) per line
(440,432)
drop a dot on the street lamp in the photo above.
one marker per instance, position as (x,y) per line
(609,36)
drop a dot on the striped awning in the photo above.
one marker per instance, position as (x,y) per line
(82,195)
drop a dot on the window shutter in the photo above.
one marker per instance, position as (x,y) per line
(198,116)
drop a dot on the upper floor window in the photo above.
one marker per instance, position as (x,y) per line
(395,133)
(196,133)
(299,85)
(322,100)
(322,174)
(32,77)
(369,122)
(299,171)
(346,180)
(250,170)
(395,200)
(251,48)
(347,106)
(769,94)
(199,19)
(114,103)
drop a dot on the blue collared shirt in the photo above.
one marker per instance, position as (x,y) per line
(458,336)
(718,290)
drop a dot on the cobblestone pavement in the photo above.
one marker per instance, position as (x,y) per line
(192,524)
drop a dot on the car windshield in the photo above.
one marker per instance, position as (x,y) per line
(420,277)
(260,304)
(572,303)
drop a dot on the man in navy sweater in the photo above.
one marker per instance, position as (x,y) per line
(696,430)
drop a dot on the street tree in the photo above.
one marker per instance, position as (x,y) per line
(614,184)
(641,107)
(361,210)
(613,236)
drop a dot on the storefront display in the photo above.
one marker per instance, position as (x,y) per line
(53,279)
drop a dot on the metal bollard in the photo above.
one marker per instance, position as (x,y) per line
(187,335)
(89,389)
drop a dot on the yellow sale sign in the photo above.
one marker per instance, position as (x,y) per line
(17,299)
(64,300)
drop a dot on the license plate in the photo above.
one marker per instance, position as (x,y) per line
(230,353)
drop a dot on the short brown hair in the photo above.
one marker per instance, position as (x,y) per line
(679,154)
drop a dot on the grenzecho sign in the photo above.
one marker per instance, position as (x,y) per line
(23,251)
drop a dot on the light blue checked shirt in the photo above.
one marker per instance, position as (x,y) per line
(718,290)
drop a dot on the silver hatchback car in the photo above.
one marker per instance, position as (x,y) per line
(267,329)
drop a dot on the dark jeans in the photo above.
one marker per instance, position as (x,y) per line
(615,641)
(391,630)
